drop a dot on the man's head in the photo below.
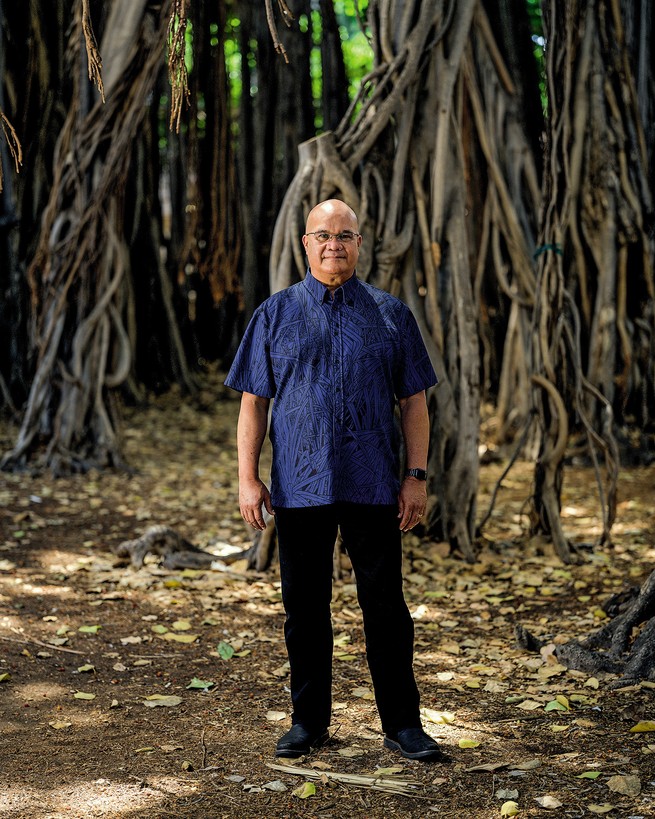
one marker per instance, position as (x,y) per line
(332,242)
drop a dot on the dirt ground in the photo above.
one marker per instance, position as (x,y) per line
(84,642)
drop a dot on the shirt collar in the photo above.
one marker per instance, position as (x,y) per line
(347,292)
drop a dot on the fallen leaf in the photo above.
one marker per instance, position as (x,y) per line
(89,629)
(82,695)
(556,705)
(558,728)
(468,743)
(629,785)
(487,767)
(145,750)
(83,669)
(438,717)
(530,705)
(351,752)
(606,808)
(235,778)
(393,769)
(642,727)
(275,785)
(58,725)
(182,625)
(180,638)
(509,808)
(548,802)
(504,793)
(166,700)
(589,775)
(305,790)
(159,629)
(363,693)
(201,684)
(131,641)
(592,682)
(5,676)
(225,650)
(529,765)
(170,748)
(275,716)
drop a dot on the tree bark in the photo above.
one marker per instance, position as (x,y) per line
(82,258)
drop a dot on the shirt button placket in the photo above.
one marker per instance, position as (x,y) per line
(337,367)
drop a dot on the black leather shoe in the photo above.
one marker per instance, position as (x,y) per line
(414,743)
(299,741)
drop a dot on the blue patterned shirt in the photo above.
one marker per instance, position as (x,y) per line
(335,368)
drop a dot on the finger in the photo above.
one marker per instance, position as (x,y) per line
(269,505)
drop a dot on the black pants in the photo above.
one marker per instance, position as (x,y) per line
(372,539)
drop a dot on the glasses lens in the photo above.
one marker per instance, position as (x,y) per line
(322,237)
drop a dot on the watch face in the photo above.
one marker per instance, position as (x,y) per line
(420,474)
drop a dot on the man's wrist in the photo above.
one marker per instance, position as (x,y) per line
(419,474)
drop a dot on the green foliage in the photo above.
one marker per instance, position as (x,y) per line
(539,48)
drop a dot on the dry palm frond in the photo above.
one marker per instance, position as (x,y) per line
(388,784)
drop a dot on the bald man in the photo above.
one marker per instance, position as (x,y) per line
(336,356)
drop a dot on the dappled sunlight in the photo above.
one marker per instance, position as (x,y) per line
(101,798)
(39,691)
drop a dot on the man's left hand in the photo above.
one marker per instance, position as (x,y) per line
(412,500)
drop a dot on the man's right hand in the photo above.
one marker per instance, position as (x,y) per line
(252,494)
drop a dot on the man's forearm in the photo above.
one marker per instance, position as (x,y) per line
(251,431)
(415,424)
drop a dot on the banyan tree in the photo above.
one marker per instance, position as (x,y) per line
(511,211)
(438,156)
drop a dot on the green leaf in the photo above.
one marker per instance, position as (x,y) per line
(203,685)
(89,629)
(554,705)
(4,677)
(82,695)
(305,790)
(589,775)
(225,650)
(85,668)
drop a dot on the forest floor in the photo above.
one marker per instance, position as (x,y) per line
(84,644)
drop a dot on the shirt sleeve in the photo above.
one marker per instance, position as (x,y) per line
(414,372)
(251,369)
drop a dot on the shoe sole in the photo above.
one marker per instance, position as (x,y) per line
(290,753)
(428,754)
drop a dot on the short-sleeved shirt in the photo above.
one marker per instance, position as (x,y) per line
(335,368)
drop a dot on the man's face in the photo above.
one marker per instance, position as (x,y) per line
(332,261)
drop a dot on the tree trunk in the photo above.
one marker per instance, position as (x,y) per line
(415,163)
(82,348)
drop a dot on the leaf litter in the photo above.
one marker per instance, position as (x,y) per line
(473,680)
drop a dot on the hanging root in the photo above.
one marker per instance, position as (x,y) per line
(177,70)
(94,60)
(13,143)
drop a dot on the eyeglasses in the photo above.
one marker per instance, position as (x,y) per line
(323,237)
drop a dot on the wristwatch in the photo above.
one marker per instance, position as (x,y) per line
(419,474)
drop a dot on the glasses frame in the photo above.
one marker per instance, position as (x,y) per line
(336,236)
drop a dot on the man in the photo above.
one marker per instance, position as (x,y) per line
(336,354)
